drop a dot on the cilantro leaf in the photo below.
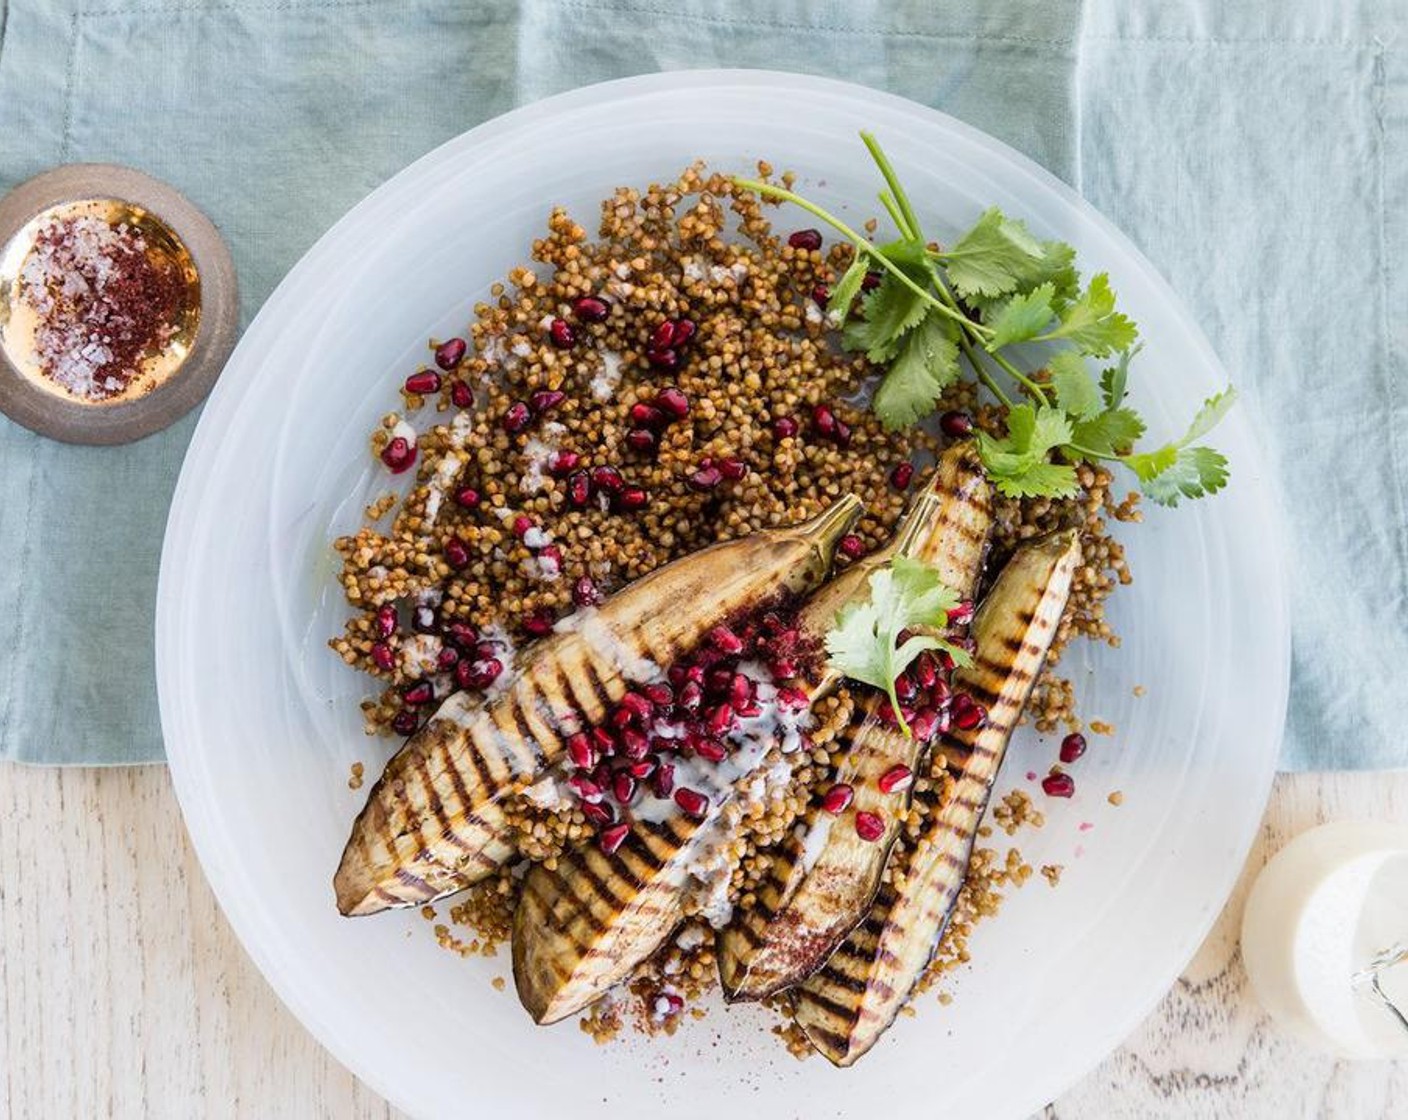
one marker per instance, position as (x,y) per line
(1075,388)
(1208,417)
(1055,266)
(1112,432)
(888,313)
(1018,463)
(1092,322)
(844,293)
(864,643)
(1192,473)
(1023,317)
(992,258)
(926,366)
(1115,378)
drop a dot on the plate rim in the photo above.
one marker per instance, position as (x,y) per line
(242,918)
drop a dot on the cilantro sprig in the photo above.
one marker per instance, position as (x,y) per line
(998,287)
(865,642)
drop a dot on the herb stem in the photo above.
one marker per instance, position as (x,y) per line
(892,180)
(892,208)
(975,360)
(1017,375)
(861,244)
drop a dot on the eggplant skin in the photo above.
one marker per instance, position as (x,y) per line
(817,887)
(851,1001)
(434,822)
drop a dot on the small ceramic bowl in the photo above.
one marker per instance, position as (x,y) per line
(173,376)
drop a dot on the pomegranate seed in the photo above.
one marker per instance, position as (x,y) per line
(637,705)
(695,673)
(383,656)
(706,478)
(613,837)
(838,798)
(623,787)
(824,420)
(642,769)
(422,384)
(871,282)
(450,353)
(478,674)
(486,649)
(784,427)
(663,780)
(926,672)
(902,475)
(386,621)
(580,751)
(673,403)
(721,719)
(642,440)
(662,336)
(589,309)
(516,417)
(539,624)
(783,669)
(634,745)
(733,469)
(691,801)
(684,330)
(585,592)
(461,394)
(422,692)
(821,294)
(896,778)
(906,688)
(550,561)
(598,812)
(808,240)
(604,741)
(792,699)
(646,416)
(1058,785)
(852,546)
(941,694)
(579,489)
(710,750)
(1072,746)
(399,454)
(666,360)
(456,553)
(956,424)
(462,634)
(674,1004)
(659,694)
(546,400)
(968,716)
(961,614)
(467,497)
(608,479)
(423,619)
(521,524)
(843,434)
(585,788)
(924,724)
(719,680)
(405,722)
(869,826)
(725,641)
(633,498)
(562,463)
(691,696)
(562,334)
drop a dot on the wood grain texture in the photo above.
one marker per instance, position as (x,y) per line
(125,994)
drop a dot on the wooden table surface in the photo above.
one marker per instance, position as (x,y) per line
(126,994)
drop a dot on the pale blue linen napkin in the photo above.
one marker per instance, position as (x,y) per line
(1256,157)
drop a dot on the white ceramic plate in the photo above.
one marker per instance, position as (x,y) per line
(261,721)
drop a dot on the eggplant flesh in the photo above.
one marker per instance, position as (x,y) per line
(846,1005)
(434,822)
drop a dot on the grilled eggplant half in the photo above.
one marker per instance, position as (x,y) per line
(434,822)
(583,925)
(854,997)
(820,883)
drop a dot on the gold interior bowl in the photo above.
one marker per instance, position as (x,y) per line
(171,378)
